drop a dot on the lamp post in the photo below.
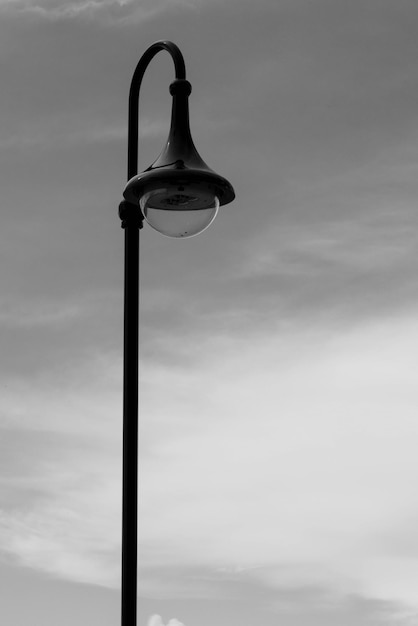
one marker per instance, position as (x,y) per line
(178,195)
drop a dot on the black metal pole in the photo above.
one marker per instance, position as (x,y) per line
(132,221)
(130,423)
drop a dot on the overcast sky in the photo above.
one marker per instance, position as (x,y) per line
(278,429)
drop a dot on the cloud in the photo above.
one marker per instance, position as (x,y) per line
(42,314)
(65,133)
(294,481)
(60,499)
(290,464)
(109,11)
(54,10)
(156,620)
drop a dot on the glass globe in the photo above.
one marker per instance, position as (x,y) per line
(179,211)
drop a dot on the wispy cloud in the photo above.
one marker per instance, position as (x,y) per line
(59,133)
(58,10)
(115,11)
(52,313)
(40,314)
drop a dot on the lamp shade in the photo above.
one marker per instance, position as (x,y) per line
(179,195)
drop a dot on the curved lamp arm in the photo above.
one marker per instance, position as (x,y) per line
(132,222)
(137,77)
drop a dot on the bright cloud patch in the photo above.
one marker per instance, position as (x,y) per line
(156,620)
(295,460)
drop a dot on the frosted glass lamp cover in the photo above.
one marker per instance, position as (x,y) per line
(179,210)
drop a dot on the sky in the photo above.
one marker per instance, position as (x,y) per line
(278,349)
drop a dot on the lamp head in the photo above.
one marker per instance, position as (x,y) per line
(179,195)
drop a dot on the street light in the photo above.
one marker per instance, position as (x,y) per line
(178,195)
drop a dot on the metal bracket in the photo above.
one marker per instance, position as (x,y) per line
(130,215)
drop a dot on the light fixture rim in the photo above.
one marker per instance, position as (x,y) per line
(158,177)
